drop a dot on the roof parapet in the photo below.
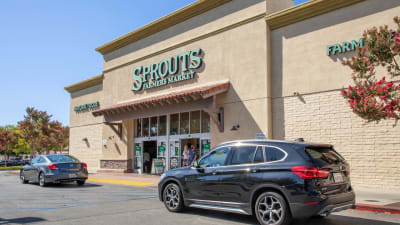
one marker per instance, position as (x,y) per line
(305,11)
(163,23)
(85,84)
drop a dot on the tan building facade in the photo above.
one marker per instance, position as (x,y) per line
(222,70)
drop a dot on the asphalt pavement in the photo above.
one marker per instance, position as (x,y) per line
(103,203)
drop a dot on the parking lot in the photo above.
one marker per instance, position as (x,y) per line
(101,203)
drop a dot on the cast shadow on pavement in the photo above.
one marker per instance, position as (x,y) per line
(22,220)
(250,220)
(72,185)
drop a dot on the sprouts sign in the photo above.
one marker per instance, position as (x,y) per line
(172,70)
(344,47)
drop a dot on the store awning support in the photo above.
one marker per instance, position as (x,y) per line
(116,127)
(217,115)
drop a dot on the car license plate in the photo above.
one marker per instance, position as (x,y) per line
(338,177)
(72,175)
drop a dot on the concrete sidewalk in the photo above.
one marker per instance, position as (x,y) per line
(377,200)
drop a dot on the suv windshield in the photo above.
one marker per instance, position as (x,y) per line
(324,155)
(61,158)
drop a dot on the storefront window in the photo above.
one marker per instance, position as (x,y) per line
(174,124)
(138,131)
(205,122)
(195,122)
(185,123)
(146,127)
(162,126)
(153,126)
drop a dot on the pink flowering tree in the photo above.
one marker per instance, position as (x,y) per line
(372,97)
(7,142)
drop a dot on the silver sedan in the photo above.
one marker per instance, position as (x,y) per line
(55,168)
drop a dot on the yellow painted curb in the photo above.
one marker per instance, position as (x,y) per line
(125,182)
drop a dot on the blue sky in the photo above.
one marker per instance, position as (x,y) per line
(296,2)
(47,45)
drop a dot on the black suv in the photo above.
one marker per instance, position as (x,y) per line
(273,180)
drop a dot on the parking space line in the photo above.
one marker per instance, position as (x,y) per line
(125,182)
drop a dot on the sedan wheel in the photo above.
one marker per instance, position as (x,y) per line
(22,177)
(271,209)
(173,198)
(42,181)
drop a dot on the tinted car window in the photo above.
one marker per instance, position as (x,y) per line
(259,157)
(35,160)
(41,160)
(61,158)
(215,158)
(243,155)
(274,154)
(324,155)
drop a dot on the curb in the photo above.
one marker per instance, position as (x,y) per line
(14,172)
(378,208)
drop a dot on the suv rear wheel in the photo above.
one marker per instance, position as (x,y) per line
(271,209)
(173,198)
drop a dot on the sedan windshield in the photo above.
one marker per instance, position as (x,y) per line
(61,158)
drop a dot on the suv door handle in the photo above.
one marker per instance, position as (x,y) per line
(254,170)
(214,172)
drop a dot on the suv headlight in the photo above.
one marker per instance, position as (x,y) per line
(163,176)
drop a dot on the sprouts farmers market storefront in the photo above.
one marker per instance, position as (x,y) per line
(221,70)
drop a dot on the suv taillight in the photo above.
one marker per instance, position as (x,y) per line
(53,167)
(309,172)
(84,165)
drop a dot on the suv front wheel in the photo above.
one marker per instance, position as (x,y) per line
(173,198)
(271,208)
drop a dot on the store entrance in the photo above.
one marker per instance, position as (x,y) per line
(149,153)
(186,144)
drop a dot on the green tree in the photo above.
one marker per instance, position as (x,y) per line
(36,129)
(372,98)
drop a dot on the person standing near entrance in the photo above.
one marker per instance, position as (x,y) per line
(192,154)
(185,156)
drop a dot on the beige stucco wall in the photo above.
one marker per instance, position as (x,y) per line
(85,96)
(83,125)
(87,151)
(237,54)
(320,114)
(299,58)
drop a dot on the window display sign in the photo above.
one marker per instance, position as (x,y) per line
(161,151)
(158,166)
(174,163)
(138,150)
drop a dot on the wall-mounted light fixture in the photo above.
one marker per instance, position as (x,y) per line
(85,139)
(235,127)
